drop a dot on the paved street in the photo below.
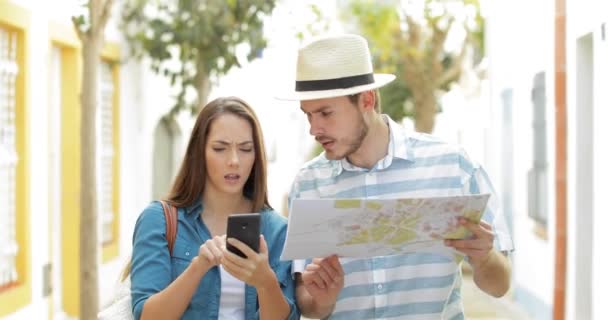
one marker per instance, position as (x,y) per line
(480,306)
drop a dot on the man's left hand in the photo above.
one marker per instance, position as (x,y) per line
(477,248)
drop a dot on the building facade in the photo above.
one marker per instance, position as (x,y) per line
(138,151)
(548,61)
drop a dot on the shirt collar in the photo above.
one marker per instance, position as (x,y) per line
(196,207)
(397,148)
(399,142)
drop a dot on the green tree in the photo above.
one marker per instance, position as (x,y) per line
(192,42)
(411,44)
(90,29)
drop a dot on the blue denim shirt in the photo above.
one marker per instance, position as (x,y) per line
(153,269)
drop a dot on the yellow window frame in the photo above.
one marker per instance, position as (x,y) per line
(111,55)
(64,37)
(17,19)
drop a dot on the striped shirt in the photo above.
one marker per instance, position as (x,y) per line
(422,285)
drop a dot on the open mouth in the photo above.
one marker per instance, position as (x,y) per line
(232,177)
(326,143)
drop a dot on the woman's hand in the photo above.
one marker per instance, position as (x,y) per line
(253,270)
(210,253)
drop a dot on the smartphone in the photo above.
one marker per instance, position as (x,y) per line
(246,228)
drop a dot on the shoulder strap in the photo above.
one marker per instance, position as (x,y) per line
(171,221)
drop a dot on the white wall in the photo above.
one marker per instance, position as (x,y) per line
(600,237)
(587,98)
(520,44)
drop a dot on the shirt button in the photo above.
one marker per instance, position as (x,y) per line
(379,287)
(187,254)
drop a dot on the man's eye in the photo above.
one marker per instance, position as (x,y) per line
(219,149)
(247,150)
(325,114)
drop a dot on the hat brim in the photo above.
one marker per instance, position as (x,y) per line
(380,79)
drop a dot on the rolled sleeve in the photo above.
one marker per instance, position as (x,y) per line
(277,232)
(151,262)
(289,289)
(479,183)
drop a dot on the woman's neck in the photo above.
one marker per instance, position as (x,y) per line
(221,204)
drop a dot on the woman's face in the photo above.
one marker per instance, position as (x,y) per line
(229,154)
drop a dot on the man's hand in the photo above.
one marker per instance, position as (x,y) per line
(491,269)
(323,278)
(477,248)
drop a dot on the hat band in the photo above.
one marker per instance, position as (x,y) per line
(337,83)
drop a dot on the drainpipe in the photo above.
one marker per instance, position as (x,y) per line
(561,148)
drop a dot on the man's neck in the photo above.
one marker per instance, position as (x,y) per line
(374,146)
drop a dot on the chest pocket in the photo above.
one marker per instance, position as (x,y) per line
(207,293)
(182,251)
(182,255)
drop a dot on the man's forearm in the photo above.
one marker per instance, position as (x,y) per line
(309,308)
(492,274)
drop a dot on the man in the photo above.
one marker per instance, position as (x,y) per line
(368,155)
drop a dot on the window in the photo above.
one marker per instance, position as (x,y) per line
(537,176)
(8,159)
(107,159)
(15,269)
(105,154)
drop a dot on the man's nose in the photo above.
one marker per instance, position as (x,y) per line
(315,128)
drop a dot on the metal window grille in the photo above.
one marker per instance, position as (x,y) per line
(105,153)
(8,158)
(537,176)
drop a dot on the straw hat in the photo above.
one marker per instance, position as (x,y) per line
(335,66)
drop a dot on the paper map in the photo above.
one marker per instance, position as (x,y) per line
(367,228)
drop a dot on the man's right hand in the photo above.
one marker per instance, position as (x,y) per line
(323,278)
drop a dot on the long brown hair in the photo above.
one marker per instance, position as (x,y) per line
(189,183)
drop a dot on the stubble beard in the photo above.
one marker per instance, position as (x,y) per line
(353,144)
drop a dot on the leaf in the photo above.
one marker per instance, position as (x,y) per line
(402,44)
(195,33)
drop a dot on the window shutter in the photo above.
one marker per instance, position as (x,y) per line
(8,158)
(105,153)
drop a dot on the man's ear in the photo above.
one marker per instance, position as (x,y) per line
(368,100)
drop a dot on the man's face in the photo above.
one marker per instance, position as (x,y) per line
(336,124)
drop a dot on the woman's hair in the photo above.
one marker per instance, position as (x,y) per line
(189,183)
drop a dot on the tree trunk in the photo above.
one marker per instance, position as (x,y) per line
(89,294)
(203,87)
(92,41)
(425,109)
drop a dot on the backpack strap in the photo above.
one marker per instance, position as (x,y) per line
(171,222)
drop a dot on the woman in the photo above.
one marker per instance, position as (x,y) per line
(223,172)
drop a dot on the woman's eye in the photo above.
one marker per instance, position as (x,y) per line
(218,149)
(325,114)
(247,150)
